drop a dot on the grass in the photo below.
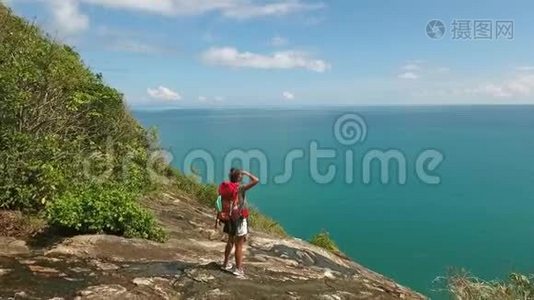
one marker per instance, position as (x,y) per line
(463,286)
(323,240)
(190,185)
(266,224)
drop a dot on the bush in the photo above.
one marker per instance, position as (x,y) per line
(56,118)
(103,209)
(323,240)
(462,286)
(266,224)
(67,142)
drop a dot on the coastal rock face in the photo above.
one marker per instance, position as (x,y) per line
(11,246)
(187,266)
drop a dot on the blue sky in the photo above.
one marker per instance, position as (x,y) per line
(180,53)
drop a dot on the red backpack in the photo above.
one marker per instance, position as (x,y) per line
(229,192)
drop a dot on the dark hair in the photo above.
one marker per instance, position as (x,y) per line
(234,174)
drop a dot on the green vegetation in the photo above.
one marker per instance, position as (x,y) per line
(102,208)
(323,240)
(70,152)
(463,286)
(67,143)
(266,224)
(191,186)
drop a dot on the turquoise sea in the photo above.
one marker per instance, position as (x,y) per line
(480,217)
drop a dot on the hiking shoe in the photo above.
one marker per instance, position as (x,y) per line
(239,273)
(227,268)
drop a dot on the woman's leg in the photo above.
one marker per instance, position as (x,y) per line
(241,236)
(228,250)
(239,241)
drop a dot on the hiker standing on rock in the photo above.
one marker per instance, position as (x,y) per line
(234,214)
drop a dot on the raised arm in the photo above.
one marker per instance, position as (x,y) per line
(253,180)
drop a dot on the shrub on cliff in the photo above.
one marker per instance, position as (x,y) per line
(462,286)
(65,134)
(264,223)
(57,119)
(103,209)
(323,240)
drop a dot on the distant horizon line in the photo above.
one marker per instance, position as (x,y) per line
(307,106)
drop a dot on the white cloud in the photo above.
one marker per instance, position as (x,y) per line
(124,40)
(212,100)
(237,9)
(135,46)
(408,75)
(288,95)
(411,70)
(518,87)
(525,68)
(411,67)
(163,93)
(252,10)
(492,90)
(161,6)
(417,69)
(231,57)
(68,19)
(279,41)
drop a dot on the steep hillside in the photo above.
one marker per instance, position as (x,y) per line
(186,266)
(69,150)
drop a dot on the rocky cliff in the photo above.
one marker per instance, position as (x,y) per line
(184,267)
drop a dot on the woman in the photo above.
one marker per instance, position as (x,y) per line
(236,225)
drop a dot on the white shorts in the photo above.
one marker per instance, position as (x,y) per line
(242,228)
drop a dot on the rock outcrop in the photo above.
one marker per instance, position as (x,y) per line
(185,267)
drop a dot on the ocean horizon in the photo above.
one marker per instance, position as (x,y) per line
(477,217)
(140,108)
